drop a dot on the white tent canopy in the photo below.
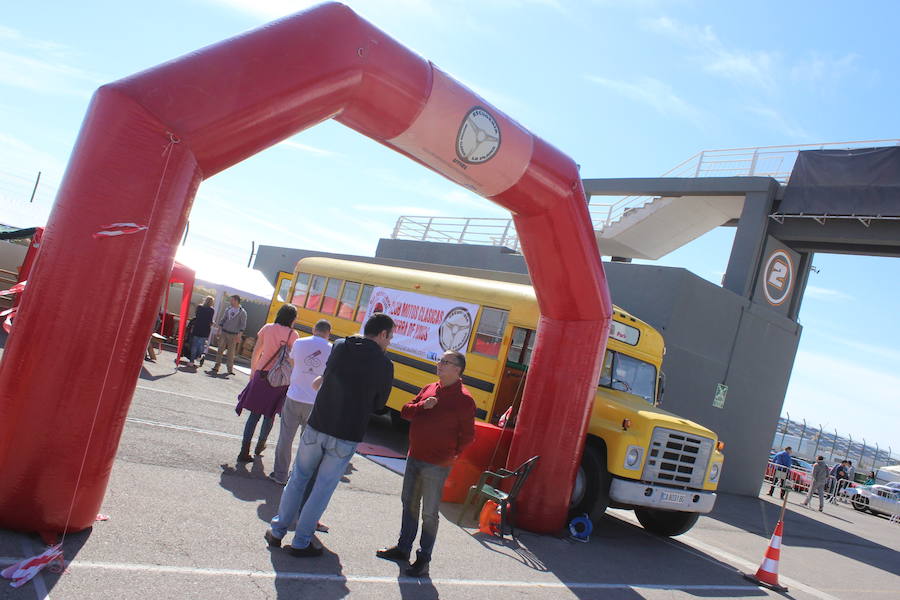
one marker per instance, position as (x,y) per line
(226,278)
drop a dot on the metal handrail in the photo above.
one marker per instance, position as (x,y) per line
(763,161)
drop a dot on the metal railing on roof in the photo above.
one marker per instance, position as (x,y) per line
(764,161)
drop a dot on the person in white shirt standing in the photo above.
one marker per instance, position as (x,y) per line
(309,355)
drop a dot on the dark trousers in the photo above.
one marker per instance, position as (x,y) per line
(250,427)
(423,486)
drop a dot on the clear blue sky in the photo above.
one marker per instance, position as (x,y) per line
(625,88)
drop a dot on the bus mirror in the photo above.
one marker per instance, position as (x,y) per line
(661,389)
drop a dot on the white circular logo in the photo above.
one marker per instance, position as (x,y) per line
(455,329)
(479,137)
(779,277)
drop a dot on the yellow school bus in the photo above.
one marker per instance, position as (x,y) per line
(637,455)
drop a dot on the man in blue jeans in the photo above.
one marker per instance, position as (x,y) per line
(357,382)
(442,420)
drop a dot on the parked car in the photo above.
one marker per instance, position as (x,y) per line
(800,473)
(884,499)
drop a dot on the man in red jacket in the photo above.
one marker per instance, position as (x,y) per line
(442,424)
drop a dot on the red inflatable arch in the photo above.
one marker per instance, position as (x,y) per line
(67,376)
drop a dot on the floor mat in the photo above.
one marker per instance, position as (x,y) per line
(375,450)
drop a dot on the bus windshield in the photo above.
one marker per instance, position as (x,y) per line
(628,374)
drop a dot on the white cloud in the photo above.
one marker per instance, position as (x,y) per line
(824,72)
(829,390)
(653,93)
(746,68)
(821,293)
(42,66)
(308,149)
(779,122)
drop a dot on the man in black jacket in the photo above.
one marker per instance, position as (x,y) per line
(357,382)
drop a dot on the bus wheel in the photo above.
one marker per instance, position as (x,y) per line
(399,423)
(666,522)
(591,491)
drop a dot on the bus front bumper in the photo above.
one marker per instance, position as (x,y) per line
(635,493)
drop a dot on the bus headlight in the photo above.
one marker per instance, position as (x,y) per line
(714,472)
(633,457)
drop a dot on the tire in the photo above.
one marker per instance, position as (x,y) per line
(860,504)
(666,523)
(399,423)
(591,492)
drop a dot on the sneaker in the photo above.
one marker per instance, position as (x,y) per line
(418,568)
(274,479)
(392,553)
(308,552)
(242,458)
(273,541)
(202,359)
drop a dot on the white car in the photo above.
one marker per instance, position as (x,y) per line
(876,499)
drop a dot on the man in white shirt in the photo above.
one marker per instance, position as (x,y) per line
(309,355)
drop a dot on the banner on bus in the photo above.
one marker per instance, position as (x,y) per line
(425,326)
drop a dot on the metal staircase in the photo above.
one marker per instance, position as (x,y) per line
(641,226)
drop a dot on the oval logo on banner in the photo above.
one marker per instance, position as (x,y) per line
(455,329)
(479,137)
(779,277)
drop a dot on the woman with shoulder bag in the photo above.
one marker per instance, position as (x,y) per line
(264,395)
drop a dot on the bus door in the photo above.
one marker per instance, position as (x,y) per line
(281,294)
(512,380)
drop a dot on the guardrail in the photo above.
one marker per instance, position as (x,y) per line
(764,161)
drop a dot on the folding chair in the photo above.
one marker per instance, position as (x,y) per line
(488,487)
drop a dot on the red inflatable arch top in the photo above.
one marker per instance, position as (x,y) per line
(67,376)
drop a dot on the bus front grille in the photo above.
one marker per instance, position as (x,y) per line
(677,458)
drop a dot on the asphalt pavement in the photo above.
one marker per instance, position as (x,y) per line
(186,521)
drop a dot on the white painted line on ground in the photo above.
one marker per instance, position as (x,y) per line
(327,577)
(183,428)
(736,562)
(153,389)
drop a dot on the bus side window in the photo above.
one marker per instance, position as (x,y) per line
(329,305)
(348,300)
(283,289)
(300,289)
(520,346)
(489,335)
(364,303)
(606,370)
(315,292)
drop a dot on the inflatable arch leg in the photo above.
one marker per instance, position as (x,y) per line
(68,375)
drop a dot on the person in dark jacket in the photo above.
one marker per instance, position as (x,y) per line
(200,331)
(357,382)
(442,419)
(782,462)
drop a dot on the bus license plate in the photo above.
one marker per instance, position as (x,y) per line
(673,497)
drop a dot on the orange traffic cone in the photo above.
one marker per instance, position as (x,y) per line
(767,574)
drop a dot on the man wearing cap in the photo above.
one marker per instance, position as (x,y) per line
(442,420)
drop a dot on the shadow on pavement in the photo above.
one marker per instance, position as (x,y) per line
(147,376)
(332,583)
(24,544)
(757,516)
(248,482)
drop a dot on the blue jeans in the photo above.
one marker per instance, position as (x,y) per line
(250,427)
(423,484)
(330,456)
(198,347)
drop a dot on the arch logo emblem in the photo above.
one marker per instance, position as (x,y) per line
(478,138)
